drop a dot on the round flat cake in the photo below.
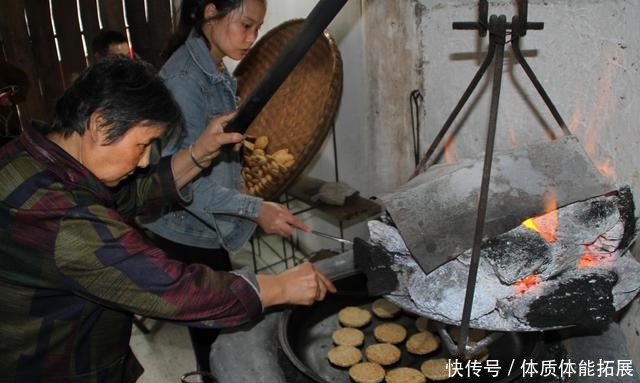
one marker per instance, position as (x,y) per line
(344,356)
(422,343)
(367,372)
(405,375)
(384,309)
(390,333)
(352,316)
(383,353)
(348,336)
(436,369)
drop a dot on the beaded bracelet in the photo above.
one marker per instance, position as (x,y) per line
(193,158)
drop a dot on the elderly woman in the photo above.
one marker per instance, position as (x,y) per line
(73,269)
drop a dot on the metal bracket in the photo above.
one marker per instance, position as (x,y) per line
(498,29)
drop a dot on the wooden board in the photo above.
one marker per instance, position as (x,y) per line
(44,51)
(160,27)
(17,48)
(139,29)
(65,14)
(33,48)
(90,23)
(112,15)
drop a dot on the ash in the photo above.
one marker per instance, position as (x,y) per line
(567,293)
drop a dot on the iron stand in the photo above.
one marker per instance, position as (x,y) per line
(499,29)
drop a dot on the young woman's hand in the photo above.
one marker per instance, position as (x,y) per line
(213,138)
(300,285)
(276,219)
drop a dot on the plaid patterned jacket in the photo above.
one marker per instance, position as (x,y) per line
(72,271)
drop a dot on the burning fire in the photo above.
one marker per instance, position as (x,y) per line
(450,155)
(597,118)
(526,283)
(547,224)
(593,257)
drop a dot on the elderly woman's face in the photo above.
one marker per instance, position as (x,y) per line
(112,163)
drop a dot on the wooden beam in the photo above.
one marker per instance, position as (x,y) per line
(90,23)
(139,29)
(65,16)
(112,15)
(159,27)
(44,51)
(17,48)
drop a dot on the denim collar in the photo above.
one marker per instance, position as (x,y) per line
(201,55)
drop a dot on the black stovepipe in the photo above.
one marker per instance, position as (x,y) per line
(315,24)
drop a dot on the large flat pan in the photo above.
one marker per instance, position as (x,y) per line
(305,336)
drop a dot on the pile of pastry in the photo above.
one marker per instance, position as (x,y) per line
(262,170)
(391,340)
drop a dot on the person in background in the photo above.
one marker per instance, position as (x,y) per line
(108,42)
(73,267)
(221,218)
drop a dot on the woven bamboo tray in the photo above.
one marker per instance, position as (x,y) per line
(299,115)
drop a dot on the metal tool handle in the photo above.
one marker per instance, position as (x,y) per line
(338,239)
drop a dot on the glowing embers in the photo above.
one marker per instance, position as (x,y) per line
(547,224)
(594,258)
(526,283)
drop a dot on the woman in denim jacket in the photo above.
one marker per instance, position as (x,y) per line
(220,218)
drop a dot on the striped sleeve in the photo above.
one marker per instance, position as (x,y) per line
(106,260)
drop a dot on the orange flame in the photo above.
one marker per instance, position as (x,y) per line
(606,169)
(450,156)
(598,117)
(526,283)
(547,224)
(592,258)
(512,138)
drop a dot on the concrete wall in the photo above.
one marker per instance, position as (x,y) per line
(587,58)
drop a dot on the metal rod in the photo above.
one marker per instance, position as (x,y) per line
(317,21)
(465,96)
(498,32)
(515,47)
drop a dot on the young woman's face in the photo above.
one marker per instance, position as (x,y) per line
(112,163)
(233,35)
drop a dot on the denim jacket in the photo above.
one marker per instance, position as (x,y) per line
(219,214)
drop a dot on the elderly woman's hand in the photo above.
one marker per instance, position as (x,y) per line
(300,285)
(211,140)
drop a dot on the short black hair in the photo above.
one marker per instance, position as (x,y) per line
(126,93)
(192,16)
(105,38)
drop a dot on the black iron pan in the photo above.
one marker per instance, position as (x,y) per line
(305,337)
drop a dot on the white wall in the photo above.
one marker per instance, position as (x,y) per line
(587,58)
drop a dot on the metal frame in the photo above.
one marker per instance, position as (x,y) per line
(498,29)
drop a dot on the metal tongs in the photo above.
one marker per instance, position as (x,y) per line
(337,239)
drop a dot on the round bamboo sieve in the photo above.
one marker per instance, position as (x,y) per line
(299,115)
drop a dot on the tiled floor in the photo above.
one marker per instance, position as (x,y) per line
(165,352)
